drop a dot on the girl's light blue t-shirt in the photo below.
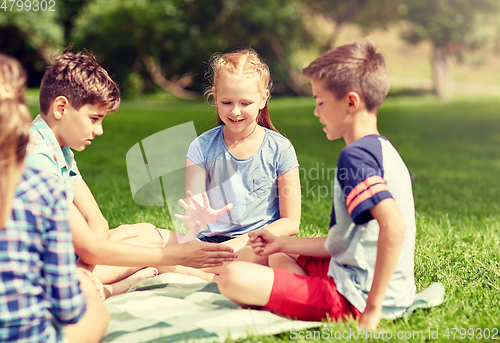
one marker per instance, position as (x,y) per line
(249,184)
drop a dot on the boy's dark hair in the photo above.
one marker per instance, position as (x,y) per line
(354,67)
(79,78)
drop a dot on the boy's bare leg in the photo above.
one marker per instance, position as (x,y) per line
(210,274)
(207,276)
(142,234)
(173,238)
(246,283)
(245,254)
(123,285)
(286,262)
(251,284)
(118,280)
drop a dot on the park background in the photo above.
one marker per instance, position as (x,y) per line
(442,113)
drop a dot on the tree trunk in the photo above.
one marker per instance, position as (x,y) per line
(443,76)
(297,85)
(155,71)
(332,41)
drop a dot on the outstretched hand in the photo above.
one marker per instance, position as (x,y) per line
(196,215)
(199,254)
(263,242)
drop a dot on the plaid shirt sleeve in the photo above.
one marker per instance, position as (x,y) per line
(68,303)
(38,282)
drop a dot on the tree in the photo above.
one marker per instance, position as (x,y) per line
(275,29)
(133,38)
(167,42)
(451,26)
(69,11)
(31,37)
(368,14)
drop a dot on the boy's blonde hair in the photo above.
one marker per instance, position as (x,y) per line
(243,63)
(81,80)
(354,67)
(14,130)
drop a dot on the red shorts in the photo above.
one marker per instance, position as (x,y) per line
(309,297)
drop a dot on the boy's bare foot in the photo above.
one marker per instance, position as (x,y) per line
(201,273)
(123,285)
(141,274)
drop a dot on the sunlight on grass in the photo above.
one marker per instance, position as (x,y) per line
(452,151)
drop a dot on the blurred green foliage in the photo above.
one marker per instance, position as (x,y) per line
(178,37)
(30,37)
(447,22)
(181,35)
(368,14)
(452,26)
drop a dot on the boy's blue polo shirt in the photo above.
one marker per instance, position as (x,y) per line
(45,153)
(370,170)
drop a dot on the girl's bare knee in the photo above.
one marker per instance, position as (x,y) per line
(228,277)
(278,260)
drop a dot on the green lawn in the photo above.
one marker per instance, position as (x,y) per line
(452,151)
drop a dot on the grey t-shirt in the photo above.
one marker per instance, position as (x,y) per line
(370,170)
(249,184)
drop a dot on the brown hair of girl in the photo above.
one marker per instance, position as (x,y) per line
(14,130)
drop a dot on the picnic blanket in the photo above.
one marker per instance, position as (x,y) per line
(180,308)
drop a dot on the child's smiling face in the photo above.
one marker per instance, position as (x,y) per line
(239,100)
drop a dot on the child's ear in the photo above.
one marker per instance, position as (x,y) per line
(59,106)
(354,101)
(265,97)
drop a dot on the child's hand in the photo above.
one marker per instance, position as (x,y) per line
(369,319)
(197,216)
(199,254)
(264,242)
(90,285)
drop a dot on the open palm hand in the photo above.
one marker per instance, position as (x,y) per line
(196,215)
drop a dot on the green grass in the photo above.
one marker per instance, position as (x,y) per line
(452,151)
